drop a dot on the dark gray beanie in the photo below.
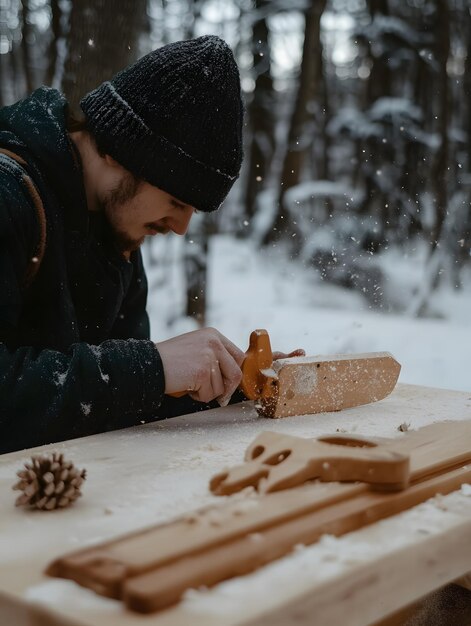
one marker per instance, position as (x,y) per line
(174,118)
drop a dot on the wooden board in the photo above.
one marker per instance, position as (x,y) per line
(165,585)
(151,570)
(153,473)
(365,594)
(303,385)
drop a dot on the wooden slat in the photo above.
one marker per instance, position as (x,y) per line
(371,591)
(305,385)
(226,530)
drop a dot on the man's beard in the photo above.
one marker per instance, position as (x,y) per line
(125,191)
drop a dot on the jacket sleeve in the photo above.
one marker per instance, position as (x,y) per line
(133,321)
(46,395)
(172,407)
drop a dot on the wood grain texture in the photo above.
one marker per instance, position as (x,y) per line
(156,472)
(363,596)
(150,570)
(165,585)
(305,385)
(274,462)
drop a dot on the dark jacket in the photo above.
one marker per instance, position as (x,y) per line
(75,354)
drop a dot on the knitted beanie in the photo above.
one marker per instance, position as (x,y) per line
(174,119)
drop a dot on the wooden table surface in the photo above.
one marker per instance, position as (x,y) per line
(151,473)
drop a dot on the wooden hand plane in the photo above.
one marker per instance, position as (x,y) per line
(302,385)
(318,384)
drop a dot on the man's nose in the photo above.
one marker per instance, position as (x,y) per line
(179,224)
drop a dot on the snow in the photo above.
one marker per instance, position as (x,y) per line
(328,558)
(63,592)
(310,189)
(59,379)
(250,288)
(384,25)
(86,408)
(402,108)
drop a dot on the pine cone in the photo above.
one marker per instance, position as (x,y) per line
(49,482)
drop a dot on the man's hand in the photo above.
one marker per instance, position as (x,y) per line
(204,363)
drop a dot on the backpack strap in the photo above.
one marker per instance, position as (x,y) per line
(35,262)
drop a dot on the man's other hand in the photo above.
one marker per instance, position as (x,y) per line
(204,363)
(289,355)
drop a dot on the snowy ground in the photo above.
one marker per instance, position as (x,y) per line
(250,288)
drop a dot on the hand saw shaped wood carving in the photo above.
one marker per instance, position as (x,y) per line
(318,384)
(276,461)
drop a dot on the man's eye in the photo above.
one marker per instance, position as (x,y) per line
(178,205)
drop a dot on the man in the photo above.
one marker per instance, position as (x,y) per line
(160,141)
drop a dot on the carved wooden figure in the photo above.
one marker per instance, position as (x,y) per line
(275,461)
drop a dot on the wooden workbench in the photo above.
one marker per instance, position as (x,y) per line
(154,472)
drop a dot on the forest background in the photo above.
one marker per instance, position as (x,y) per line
(353,207)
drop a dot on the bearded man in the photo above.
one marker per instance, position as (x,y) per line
(157,143)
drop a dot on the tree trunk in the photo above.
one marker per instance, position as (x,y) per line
(25,45)
(102,40)
(308,88)
(196,266)
(440,166)
(260,112)
(199,234)
(324,166)
(379,82)
(467,84)
(4,56)
(53,50)
(379,85)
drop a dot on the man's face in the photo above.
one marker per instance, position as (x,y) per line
(136,209)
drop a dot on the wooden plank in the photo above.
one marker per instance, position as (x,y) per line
(165,585)
(215,544)
(151,473)
(370,591)
(308,385)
